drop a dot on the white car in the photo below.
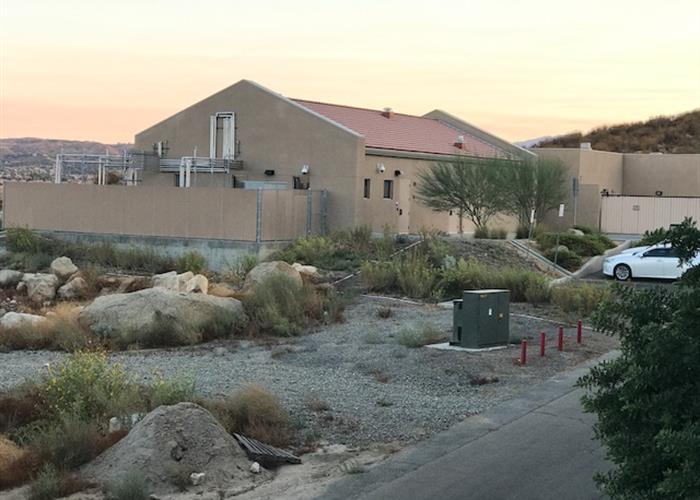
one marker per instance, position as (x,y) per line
(657,261)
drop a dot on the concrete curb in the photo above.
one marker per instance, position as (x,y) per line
(475,427)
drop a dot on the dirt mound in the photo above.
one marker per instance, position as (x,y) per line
(169,444)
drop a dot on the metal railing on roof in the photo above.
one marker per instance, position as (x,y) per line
(127,165)
(200,164)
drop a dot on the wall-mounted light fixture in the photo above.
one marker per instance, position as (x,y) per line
(381,168)
(269,172)
(305,170)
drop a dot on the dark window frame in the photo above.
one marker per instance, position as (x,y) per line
(388,189)
(367,188)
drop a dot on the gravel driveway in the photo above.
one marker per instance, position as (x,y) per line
(375,389)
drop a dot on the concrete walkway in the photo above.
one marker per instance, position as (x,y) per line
(537,446)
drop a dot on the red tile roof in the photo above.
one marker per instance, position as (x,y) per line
(402,132)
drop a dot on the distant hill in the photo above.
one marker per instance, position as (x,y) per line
(533,143)
(664,134)
(33,152)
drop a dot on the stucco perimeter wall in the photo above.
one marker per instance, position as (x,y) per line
(273,133)
(222,214)
(674,175)
(636,214)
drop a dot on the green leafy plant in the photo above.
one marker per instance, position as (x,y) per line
(565,258)
(192,261)
(653,237)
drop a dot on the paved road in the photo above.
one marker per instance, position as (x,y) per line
(538,446)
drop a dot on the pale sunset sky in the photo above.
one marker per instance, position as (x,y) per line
(98,70)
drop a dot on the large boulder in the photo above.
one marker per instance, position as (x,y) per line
(9,277)
(63,268)
(273,268)
(221,290)
(198,284)
(116,314)
(122,283)
(575,232)
(308,273)
(173,441)
(40,287)
(19,320)
(76,288)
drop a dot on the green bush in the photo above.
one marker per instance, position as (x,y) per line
(565,258)
(585,229)
(481,232)
(162,391)
(653,237)
(414,275)
(21,240)
(379,276)
(67,442)
(47,485)
(191,261)
(498,233)
(582,299)
(317,251)
(280,306)
(131,486)
(587,245)
(420,335)
(88,386)
(538,292)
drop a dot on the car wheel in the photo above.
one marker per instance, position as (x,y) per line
(622,272)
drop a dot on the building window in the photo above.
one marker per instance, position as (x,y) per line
(367,188)
(298,183)
(388,190)
(177,180)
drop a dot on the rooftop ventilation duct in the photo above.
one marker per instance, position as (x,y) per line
(388,113)
(586,146)
(459,143)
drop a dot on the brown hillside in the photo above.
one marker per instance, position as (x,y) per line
(664,134)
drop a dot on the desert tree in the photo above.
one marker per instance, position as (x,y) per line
(538,184)
(647,399)
(465,185)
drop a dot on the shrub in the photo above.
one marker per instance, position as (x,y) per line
(465,275)
(162,391)
(131,486)
(538,292)
(20,406)
(60,331)
(280,306)
(47,485)
(420,335)
(498,234)
(22,240)
(255,412)
(587,245)
(585,229)
(581,299)
(88,386)
(565,258)
(192,261)
(67,442)
(378,276)
(653,237)
(313,250)
(385,312)
(414,275)
(481,232)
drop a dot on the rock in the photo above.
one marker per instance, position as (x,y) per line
(221,290)
(220,351)
(125,312)
(16,320)
(76,288)
(172,281)
(128,284)
(63,268)
(255,468)
(196,478)
(115,425)
(41,287)
(561,248)
(262,271)
(198,284)
(21,286)
(575,232)
(184,436)
(308,273)
(9,277)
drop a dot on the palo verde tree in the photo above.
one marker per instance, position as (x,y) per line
(465,185)
(538,184)
(648,399)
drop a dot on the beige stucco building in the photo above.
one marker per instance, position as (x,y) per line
(598,176)
(366,160)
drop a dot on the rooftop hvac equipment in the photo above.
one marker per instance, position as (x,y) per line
(481,319)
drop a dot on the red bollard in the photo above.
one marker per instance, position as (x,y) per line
(561,338)
(523,352)
(542,340)
(579,332)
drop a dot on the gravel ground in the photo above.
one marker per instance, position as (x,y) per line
(375,389)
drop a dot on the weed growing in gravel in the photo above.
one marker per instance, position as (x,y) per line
(385,312)
(315,404)
(131,486)
(418,336)
(352,467)
(384,403)
(380,376)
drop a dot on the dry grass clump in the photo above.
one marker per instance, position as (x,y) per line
(131,486)
(580,299)
(255,412)
(59,332)
(420,335)
(53,483)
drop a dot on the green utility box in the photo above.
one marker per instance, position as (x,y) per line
(481,319)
